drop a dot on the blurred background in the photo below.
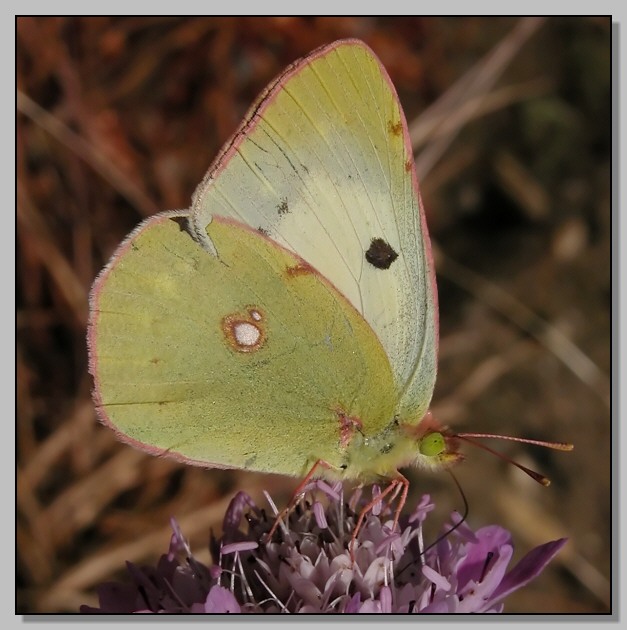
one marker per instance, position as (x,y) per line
(119,118)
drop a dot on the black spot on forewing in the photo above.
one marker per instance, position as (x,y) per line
(182,221)
(380,254)
(283,208)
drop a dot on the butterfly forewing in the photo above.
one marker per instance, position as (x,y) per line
(323,166)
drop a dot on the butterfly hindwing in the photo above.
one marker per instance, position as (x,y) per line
(216,359)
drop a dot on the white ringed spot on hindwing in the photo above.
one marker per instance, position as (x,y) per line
(245,331)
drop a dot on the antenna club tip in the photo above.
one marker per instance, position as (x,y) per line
(545,482)
(560,446)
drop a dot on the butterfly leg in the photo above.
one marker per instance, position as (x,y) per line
(296,496)
(403,486)
(399,484)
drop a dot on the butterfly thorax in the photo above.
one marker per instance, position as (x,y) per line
(373,457)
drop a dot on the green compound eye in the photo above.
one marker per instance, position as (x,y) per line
(432,444)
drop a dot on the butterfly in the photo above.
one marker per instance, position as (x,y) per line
(287,322)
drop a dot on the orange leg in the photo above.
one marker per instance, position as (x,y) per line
(398,484)
(401,502)
(296,496)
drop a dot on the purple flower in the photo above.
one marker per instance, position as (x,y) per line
(307,565)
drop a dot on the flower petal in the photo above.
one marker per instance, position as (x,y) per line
(439,580)
(354,604)
(528,568)
(244,545)
(489,542)
(221,600)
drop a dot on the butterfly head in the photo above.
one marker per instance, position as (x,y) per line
(437,447)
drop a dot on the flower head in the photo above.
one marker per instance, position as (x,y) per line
(307,567)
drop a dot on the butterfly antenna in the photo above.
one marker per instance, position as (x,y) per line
(448,532)
(471,438)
